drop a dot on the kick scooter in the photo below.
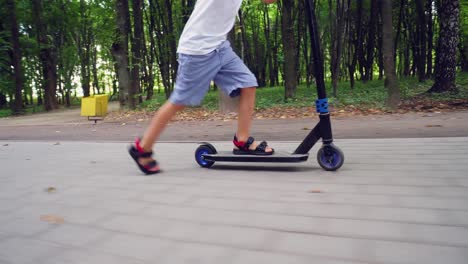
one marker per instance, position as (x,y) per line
(329,156)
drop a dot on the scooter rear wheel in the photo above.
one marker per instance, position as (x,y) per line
(202,150)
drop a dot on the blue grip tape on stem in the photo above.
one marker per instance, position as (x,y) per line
(322,105)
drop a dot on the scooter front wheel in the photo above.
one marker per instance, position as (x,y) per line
(330,157)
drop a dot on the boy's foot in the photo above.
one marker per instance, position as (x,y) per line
(143,159)
(250,147)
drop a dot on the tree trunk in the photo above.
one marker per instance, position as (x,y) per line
(338,24)
(165,57)
(258,61)
(120,50)
(356,41)
(49,71)
(149,59)
(464,54)
(172,41)
(430,37)
(16,58)
(360,40)
(95,71)
(68,87)
(391,81)
(289,49)
(446,53)
(380,45)
(136,51)
(300,22)
(371,41)
(269,50)
(276,45)
(400,21)
(307,59)
(83,49)
(407,50)
(421,43)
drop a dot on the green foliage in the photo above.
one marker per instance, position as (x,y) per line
(464,17)
(464,25)
(5,113)
(5,69)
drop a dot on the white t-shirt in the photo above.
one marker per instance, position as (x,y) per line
(208,26)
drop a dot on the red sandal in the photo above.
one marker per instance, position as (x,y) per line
(243,148)
(137,152)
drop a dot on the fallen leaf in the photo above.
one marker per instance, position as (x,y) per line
(52,219)
(315,191)
(415,104)
(50,189)
(433,125)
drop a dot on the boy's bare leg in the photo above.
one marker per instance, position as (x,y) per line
(157,126)
(246,110)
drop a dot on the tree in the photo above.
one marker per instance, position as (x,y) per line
(464,35)
(63,41)
(391,81)
(84,47)
(16,57)
(289,49)
(421,39)
(430,37)
(137,46)
(446,53)
(120,50)
(354,39)
(47,58)
(369,64)
(337,22)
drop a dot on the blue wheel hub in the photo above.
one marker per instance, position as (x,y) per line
(200,158)
(330,158)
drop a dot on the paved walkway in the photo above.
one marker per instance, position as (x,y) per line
(394,201)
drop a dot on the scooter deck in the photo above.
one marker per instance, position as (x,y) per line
(278,156)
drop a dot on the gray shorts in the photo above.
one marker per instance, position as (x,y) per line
(196,72)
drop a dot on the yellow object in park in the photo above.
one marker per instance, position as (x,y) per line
(94,106)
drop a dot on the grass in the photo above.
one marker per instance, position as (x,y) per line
(32,109)
(5,113)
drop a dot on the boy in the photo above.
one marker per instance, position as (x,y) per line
(205,55)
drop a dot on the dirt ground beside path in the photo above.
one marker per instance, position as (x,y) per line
(68,125)
(58,117)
